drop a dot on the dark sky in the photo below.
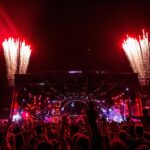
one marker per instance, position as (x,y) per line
(68,35)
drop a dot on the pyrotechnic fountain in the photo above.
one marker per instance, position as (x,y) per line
(17,56)
(138,54)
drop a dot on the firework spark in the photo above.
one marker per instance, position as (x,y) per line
(25,53)
(17,56)
(137,52)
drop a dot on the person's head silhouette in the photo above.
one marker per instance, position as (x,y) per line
(145,112)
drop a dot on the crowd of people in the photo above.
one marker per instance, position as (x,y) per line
(89,133)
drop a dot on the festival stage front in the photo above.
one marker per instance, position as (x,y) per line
(49,95)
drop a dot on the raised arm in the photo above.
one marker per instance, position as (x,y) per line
(96,137)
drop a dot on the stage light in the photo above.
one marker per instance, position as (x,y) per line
(74,72)
(16,117)
(72,104)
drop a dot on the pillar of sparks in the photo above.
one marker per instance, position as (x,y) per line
(138,54)
(17,56)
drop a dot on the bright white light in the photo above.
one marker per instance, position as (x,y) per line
(110,109)
(25,53)
(10,47)
(137,52)
(127,89)
(16,117)
(62,109)
(17,56)
(74,72)
(103,110)
(72,104)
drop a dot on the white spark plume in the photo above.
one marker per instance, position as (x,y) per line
(137,52)
(25,53)
(17,56)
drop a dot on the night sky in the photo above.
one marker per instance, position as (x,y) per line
(67,35)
